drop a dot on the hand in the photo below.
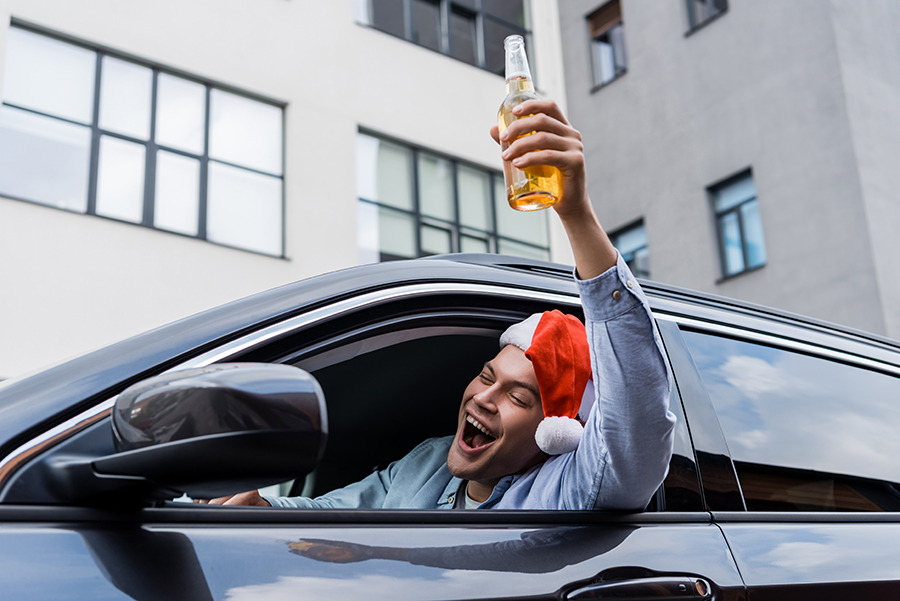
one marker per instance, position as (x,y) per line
(554,142)
(251,498)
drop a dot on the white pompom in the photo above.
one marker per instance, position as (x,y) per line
(558,435)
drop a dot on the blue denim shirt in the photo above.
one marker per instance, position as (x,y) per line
(624,452)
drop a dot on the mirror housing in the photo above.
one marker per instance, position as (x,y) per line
(207,432)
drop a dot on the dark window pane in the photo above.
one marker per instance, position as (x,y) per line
(387,15)
(806,433)
(632,245)
(426,24)
(700,11)
(494,34)
(462,37)
(508,10)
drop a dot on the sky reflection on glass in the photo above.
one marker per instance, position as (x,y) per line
(787,409)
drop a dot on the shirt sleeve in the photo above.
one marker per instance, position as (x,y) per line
(626,447)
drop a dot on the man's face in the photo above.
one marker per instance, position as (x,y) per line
(504,400)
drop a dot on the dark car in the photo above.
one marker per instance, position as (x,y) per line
(783,483)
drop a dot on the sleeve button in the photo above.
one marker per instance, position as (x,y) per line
(617,295)
(630,284)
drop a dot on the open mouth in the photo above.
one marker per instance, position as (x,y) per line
(475,435)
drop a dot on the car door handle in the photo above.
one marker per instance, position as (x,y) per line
(682,587)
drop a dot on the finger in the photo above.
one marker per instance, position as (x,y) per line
(540,141)
(544,106)
(564,161)
(495,133)
(219,501)
(538,122)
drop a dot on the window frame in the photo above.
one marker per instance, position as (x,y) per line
(457,229)
(736,210)
(446,8)
(625,229)
(694,23)
(150,145)
(605,31)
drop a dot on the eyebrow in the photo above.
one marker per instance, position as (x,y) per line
(519,383)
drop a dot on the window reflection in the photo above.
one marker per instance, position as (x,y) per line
(244,209)
(43,159)
(245,132)
(177,193)
(120,180)
(804,432)
(180,113)
(126,91)
(49,76)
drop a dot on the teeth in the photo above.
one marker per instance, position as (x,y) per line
(475,423)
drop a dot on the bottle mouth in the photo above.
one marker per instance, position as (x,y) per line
(513,41)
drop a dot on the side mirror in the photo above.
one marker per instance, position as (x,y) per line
(207,432)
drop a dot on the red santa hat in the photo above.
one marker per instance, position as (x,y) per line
(557,346)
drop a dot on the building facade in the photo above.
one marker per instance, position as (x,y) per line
(159,158)
(747,147)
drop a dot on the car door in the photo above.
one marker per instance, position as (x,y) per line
(184,550)
(809,420)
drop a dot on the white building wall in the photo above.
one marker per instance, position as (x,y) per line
(73,282)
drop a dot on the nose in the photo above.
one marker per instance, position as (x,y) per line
(486,398)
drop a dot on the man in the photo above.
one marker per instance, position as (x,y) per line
(548,367)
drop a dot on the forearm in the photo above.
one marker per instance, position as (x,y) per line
(594,253)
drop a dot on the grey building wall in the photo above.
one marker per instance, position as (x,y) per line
(804,93)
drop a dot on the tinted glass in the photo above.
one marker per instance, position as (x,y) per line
(508,247)
(531,227)
(436,187)
(435,240)
(474,198)
(494,34)
(245,132)
(384,172)
(244,209)
(508,10)
(462,37)
(50,76)
(426,24)
(732,194)
(387,15)
(753,234)
(177,193)
(396,235)
(180,113)
(120,180)
(44,160)
(731,240)
(805,433)
(471,244)
(126,91)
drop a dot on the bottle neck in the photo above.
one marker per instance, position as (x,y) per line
(519,83)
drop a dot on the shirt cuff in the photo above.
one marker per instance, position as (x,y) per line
(612,293)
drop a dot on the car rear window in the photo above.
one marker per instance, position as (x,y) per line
(805,433)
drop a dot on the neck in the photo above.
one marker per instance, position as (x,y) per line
(480,491)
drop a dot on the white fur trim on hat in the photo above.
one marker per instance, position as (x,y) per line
(558,435)
(520,334)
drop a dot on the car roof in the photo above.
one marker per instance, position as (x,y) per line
(31,404)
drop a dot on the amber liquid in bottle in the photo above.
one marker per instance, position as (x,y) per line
(533,188)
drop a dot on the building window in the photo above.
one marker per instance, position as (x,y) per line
(607,43)
(631,243)
(701,11)
(739,224)
(469,30)
(90,131)
(414,203)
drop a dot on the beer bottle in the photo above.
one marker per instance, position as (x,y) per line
(533,188)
